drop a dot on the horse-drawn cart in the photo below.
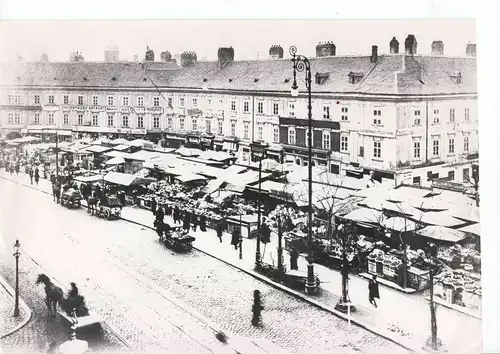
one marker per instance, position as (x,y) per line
(178,240)
(110,209)
(71,198)
(89,321)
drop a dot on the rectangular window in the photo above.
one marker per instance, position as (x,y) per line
(466,175)
(140,101)
(156,122)
(466,143)
(194,124)
(260,107)
(246,131)
(181,123)
(80,119)
(377,120)
(233,128)
(110,120)
(221,125)
(95,120)
(452,115)
(467,114)
(125,101)
(326,141)
(416,117)
(80,100)
(111,101)
(208,126)
(344,113)
(246,107)
(276,109)
(17,118)
(37,99)
(291,136)
(125,121)
(51,99)
(37,118)
(233,106)
(276,134)
(11,98)
(377,149)
(65,99)
(170,104)
(416,150)
(95,100)
(11,118)
(416,181)
(195,102)
(344,143)
(181,101)
(156,101)
(51,118)
(66,119)
(291,109)
(169,122)
(260,132)
(435,148)
(451,175)
(451,145)
(140,122)
(326,112)
(435,119)
(17,99)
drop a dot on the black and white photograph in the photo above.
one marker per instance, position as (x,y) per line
(240,186)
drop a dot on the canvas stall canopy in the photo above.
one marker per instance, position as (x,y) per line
(125,179)
(440,233)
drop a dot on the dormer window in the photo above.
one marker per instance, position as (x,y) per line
(144,79)
(456,77)
(355,77)
(205,80)
(114,78)
(230,80)
(84,79)
(287,81)
(256,80)
(321,78)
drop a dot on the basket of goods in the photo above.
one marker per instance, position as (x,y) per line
(372,267)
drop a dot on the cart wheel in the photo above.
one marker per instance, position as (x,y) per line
(108,215)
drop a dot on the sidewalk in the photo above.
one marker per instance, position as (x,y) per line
(400,317)
(8,323)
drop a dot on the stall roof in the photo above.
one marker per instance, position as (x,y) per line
(98,149)
(183,151)
(364,215)
(220,196)
(472,229)
(212,186)
(399,224)
(114,153)
(407,194)
(119,141)
(115,161)
(121,147)
(139,142)
(440,233)
(87,179)
(441,218)
(190,177)
(142,155)
(216,155)
(125,179)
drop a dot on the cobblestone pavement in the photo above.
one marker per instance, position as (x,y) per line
(60,236)
(9,323)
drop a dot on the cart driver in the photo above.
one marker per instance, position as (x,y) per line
(159,216)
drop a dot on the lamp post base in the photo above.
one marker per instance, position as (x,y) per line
(16,312)
(434,347)
(311,288)
(343,306)
(258,261)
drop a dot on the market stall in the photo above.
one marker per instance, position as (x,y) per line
(128,187)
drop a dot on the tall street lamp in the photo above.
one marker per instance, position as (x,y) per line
(301,63)
(259,150)
(17,245)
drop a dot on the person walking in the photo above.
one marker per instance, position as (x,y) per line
(176,214)
(256,308)
(194,220)
(153,205)
(37,175)
(203,223)
(17,167)
(236,237)
(294,256)
(373,291)
(31,174)
(220,229)
(187,222)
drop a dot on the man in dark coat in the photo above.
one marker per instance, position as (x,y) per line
(176,214)
(294,256)
(159,217)
(220,229)
(194,220)
(373,291)
(236,237)
(153,205)
(17,167)
(187,222)
(256,308)
(31,174)
(203,223)
(37,175)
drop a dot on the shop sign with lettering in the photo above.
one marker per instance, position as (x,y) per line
(155,109)
(376,132)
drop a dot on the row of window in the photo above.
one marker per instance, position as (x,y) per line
(435,118)
(435,147)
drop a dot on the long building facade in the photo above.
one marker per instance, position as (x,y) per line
(409,117)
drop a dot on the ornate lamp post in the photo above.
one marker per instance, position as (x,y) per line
(344,304)
(17,245)
(301,63)
(258,150)
(433,341)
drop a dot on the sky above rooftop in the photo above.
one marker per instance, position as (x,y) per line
(251,39)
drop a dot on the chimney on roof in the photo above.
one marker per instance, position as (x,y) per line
(165,56)
(326,49)
(411,45)
(225,56)
(188,58)
(136,58)
(111,54)
(374,57)
(470,50)
(437,48)
(44,58)
(276,52)
(75,57)
(394,46)
(150,55)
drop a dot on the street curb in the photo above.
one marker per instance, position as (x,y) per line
(292,292)
(22,304)
(451,307)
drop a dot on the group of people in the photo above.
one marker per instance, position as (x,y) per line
(188,219)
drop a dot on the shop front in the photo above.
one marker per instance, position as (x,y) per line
(175,140)
(193,140)
(207,141)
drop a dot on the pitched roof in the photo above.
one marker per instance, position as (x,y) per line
(391,74)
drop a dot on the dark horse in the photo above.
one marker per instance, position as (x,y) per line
(92,205)
(162,229)
(55,295)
